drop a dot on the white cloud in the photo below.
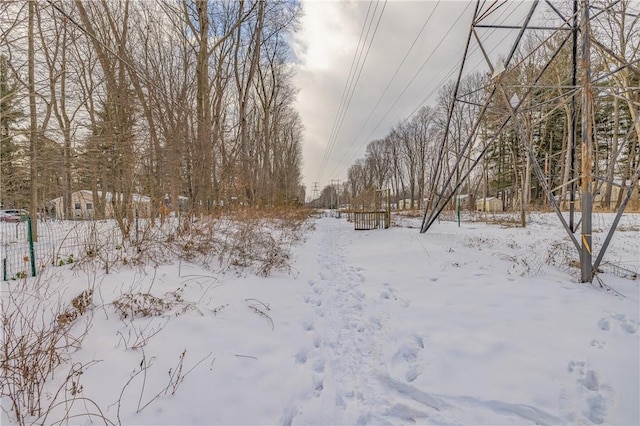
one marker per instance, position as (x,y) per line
(325,47)
(327,33)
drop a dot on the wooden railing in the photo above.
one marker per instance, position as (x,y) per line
(365,221)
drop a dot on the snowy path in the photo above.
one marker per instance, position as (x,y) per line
(352,378)
(346,335)
(378,352)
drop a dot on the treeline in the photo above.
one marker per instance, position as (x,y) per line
(412,161)
(168,99)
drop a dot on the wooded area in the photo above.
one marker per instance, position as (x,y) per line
(195,99)
(163,98)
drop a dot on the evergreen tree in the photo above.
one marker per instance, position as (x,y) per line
(9,115)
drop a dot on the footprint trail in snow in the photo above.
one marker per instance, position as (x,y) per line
(359,369)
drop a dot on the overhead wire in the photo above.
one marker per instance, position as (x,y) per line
(446,77)
(353,87)
(346,109)
(487,85)
(348,95)
(403,91)
(349,78)
(406,55)
(343,164)
(459,61)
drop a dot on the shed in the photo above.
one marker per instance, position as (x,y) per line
(489,204)
(82,205)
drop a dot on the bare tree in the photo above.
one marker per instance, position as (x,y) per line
(618,43)
(107,28)
(246,63)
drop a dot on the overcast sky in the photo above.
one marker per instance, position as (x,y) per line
(326,46)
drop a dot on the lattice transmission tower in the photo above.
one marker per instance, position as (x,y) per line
(506,102)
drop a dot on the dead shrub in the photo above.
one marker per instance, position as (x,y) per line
(141,305)
(176,376)
(561,255)
(525,265)
(37,336)
(79,306)
(258,240)
(138,337)
(244,240)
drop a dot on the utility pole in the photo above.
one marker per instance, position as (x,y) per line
(573,121)
(33,134)
(335,187)
(316,192)
(331,194)
(586,272)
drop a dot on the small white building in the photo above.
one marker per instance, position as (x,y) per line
(83,206)
(489,204)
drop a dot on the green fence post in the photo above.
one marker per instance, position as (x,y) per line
(31,252)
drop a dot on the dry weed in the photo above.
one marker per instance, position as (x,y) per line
(561,255)
(141,305)
(38,335)
(258,240)
(244,240)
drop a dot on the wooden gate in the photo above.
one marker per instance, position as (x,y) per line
(365,221)
(375,210)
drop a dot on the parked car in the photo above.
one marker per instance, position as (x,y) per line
(13,215)
(8,217)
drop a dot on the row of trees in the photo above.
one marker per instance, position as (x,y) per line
(412,161)
(168,98)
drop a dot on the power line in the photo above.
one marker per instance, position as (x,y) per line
(353,89)
(405,89)
(360,73)
(473,51)
(406,55)
(343,164)
(347,82)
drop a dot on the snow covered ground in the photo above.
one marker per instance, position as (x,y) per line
(477,324)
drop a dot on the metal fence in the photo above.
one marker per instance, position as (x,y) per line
(58,243)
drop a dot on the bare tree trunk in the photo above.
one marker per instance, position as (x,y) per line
(118,108)
(202,160)
(611,165)
(55,52)
(566,164)
(243,84)
(526,190)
